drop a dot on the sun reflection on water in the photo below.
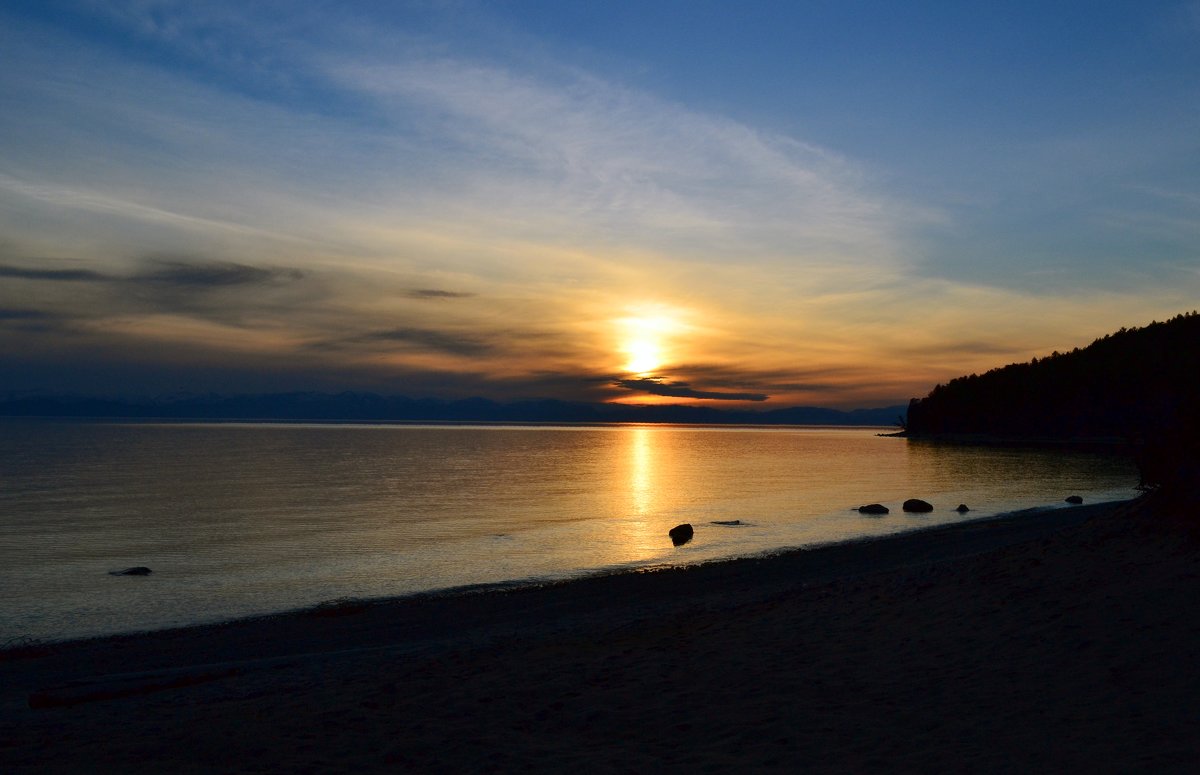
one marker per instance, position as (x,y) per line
(641,470)
(643,530)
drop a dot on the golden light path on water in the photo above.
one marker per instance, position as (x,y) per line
(241,520)
(638,496)
(641,471)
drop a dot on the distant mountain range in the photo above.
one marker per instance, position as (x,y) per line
(369,407)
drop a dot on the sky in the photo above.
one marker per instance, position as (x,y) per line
(751,204)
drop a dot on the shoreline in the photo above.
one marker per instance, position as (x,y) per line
(901,651)
(16,641)
(828,556)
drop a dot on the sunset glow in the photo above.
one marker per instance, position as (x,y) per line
(645,356)
(208,197)
(645,340)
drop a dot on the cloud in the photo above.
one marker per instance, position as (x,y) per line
(434,293)
(422,338)
(24,314)
(53,275)
(199,275)
(560,153)
(227,293)
(434,340)
(50,328)
(659,387)
(792,379)
(190,273)
(182,216)
(962,349)
(510,173)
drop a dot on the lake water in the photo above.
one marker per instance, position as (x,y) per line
(243,519)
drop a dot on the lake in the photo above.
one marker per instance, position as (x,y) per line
(246,519)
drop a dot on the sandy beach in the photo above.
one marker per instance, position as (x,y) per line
(1054,641)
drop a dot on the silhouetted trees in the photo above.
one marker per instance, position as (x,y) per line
(1139,386)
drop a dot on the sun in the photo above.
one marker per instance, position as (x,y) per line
(645,356)
(643,337)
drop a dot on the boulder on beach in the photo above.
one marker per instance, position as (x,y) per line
(681,534)
(917,505)
(873,508)
(1075,499)
(139,570)
(962,508)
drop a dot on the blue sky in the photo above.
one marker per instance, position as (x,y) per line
(824,203)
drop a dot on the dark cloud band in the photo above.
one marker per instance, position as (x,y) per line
(684,390)
(52,275)
(209,274)
(421,338)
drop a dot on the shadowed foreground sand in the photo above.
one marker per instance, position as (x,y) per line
(1049,642)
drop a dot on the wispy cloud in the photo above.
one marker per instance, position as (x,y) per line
(52,275)
(23,314)
(569,151)
(437,293)
(421,338)
(224,292)
(83,199)
(529,157)
(194,275)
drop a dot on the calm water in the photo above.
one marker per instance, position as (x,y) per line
(247,519)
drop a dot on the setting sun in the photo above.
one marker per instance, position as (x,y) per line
(645,356)
(644,337)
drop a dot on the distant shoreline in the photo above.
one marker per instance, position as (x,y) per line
(427,423)
(372,408)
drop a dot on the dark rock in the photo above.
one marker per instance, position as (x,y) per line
(917,505)
(727,522)
(1075,499)
(140,570)
(681,534)
(962,508)
(873,508)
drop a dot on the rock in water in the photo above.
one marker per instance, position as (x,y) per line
(681,534)
(917,505)
(873,508)
(140,570)
(962,508)
(1075,499)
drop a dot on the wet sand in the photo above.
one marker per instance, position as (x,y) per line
(1045,642)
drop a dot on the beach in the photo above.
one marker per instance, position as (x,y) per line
(1047,641)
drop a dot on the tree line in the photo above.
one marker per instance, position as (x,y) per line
(1136,386)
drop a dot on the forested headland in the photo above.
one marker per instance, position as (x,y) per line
(1138,387)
